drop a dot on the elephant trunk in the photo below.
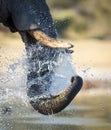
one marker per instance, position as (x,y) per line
(57,103)
(41,62)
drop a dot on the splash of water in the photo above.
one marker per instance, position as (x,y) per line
(64,70)
(12,85)
(13,82)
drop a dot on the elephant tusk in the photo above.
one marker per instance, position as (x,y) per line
(55,104)
(48,41)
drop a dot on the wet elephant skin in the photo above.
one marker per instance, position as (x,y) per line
(24,16)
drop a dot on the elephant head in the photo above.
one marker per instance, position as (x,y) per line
(33,21)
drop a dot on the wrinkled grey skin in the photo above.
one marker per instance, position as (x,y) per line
(35,15)
(25,15)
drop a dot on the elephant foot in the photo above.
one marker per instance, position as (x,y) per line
(54,104)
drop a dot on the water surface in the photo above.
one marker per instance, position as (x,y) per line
(87,112)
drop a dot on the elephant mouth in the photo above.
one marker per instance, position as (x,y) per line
(56,103)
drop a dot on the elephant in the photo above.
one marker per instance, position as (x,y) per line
(33,21)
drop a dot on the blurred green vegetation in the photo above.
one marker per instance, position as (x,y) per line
(82,18)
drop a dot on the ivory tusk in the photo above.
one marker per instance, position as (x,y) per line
(48,41)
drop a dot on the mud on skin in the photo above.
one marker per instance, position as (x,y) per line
(30,18)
